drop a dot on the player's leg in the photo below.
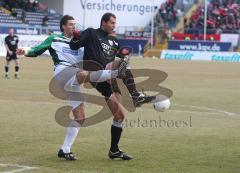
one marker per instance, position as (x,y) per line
(117,70)
(113,98)
(95,76)
(77,105)
(118,116)
(138,98)
(72,131)
(128,80)
(16,75)
(6,68)
(118,111)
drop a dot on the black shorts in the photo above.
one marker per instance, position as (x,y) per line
(11,57)
(105,88)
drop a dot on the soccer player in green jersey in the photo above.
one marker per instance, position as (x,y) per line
(66,59)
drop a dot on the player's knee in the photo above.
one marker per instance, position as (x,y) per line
(82,76)
(119,115)
(113,65)
(80,118)
(80,121)
(108,66)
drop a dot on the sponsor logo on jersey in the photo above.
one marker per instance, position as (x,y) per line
(70,51)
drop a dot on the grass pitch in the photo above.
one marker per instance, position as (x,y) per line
(200,133)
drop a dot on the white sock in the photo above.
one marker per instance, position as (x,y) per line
(103,75)
(117,124)
(71,135)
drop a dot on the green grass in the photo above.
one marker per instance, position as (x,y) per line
(30,136)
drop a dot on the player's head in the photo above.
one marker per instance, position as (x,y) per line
(108,22)
(67,25)
(10,31)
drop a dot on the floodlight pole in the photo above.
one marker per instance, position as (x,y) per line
(152,25)
(205,20)
(152,30)
(84,16)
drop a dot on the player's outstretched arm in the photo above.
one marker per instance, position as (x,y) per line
(37,50)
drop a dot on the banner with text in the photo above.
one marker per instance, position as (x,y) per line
(199,45)
(129,13)
(200,55)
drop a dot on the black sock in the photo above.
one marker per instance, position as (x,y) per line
(115,137)
(16,68)
(6,69)
(130,83)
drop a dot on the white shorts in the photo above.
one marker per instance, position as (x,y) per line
(68,80)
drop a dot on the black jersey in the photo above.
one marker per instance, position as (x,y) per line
(98,46)
(12,42)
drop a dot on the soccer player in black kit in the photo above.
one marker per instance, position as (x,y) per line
(11,45)
(101,47)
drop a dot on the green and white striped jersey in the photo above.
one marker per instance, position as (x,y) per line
(58,47)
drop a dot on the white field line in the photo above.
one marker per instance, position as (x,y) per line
(19,168)
(193,112)
(33,102)
(208,109)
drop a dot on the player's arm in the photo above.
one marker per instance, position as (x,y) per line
(17,41)
(122,51)
(7,48)
(80,39)
(37,50)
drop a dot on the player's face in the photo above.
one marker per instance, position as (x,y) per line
(109,26)
(11,31)
(69,28)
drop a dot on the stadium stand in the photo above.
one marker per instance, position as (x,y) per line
(29,13)
(223,17)
(5,17)
(165,21)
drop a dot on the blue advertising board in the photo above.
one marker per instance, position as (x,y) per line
(21,30)
(199,45)
(30,30)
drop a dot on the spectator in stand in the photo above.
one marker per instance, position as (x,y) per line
(223,17)
(23,16)
(45,21)
(167,14)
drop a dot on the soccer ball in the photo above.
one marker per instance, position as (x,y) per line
(161,103)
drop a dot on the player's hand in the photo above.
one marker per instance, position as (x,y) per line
(76,34)
(10,52)
(124,51)
(20,51)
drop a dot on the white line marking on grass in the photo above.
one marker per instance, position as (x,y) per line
(194,112)
(208,109)
(20,168)
(33,102)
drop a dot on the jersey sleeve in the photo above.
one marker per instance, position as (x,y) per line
(6,40)
(39,49)
(17,40)
(118,46)
(82,41)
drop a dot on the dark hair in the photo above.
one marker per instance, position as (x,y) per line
(106,17)
(64,21)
